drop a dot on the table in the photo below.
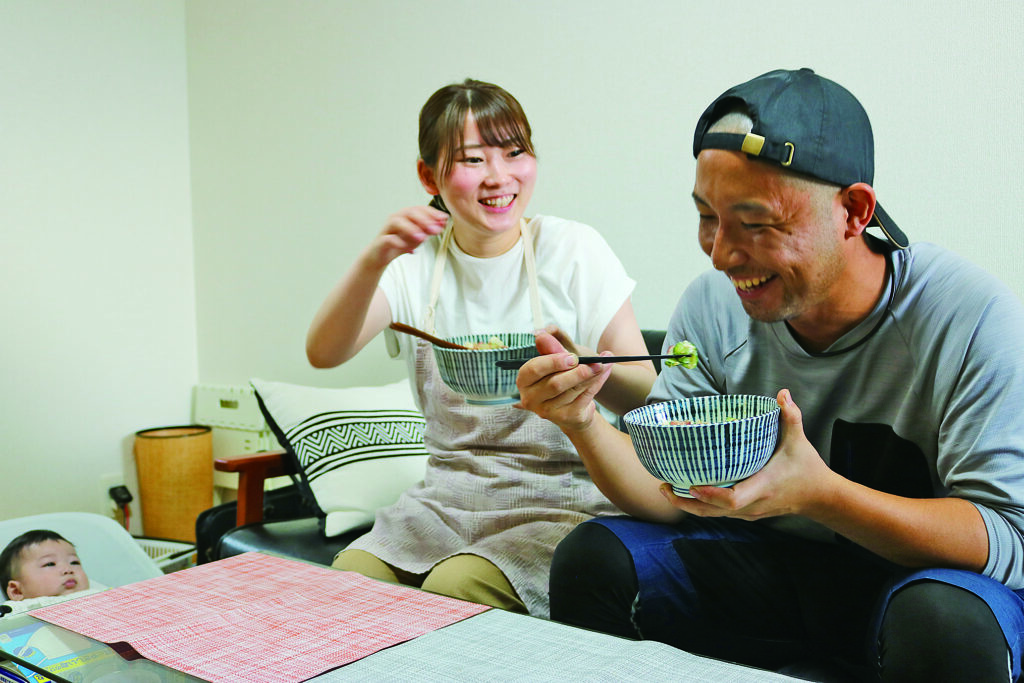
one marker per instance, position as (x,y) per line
(499,646)
(257,617)
(493,646)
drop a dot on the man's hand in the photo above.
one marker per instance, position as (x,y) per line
(556,387)
(567,342)
(913,532)
(790,481)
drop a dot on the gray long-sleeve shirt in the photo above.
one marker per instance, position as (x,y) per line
(931,405)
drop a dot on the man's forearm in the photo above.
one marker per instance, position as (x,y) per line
(612,462)
(946,532)
(627,387)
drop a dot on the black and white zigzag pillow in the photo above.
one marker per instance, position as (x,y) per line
(356,449)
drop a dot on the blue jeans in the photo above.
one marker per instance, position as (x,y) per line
(745,592)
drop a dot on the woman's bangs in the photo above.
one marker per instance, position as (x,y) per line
(450,132)
(503,129)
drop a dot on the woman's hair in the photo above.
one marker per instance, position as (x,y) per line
(10,558)
(499,118)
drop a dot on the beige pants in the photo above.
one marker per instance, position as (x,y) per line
(467,577)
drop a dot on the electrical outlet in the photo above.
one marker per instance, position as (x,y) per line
(107,506)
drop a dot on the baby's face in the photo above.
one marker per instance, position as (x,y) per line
(48,568)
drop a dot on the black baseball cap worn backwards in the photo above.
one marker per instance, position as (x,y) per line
(806,124)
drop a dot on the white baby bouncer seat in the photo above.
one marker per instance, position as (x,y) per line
(109,554)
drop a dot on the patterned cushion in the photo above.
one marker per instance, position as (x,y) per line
(355,449)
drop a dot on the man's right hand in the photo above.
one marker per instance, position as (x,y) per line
(556,387)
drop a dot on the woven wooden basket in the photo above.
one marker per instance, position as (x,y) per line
(175,468)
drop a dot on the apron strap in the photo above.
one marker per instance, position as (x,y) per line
(435,282)
(526,234)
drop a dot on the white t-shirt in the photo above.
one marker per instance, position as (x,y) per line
(582,286)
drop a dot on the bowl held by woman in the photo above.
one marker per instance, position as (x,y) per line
(472,372)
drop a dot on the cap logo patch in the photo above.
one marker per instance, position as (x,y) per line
(752,144)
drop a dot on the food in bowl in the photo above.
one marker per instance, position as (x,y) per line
(492,342)
(704,440)
(472,372)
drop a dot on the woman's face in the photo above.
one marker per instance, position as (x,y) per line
(487,189)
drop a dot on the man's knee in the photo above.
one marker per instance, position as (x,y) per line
(593,582)
(934,631)
(594,555)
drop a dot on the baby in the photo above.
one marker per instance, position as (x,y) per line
(41,563)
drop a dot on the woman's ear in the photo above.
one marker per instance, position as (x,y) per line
(427,177)
(859,201)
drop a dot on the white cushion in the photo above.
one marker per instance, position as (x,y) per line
(355,449)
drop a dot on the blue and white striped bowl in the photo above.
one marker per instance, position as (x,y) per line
(732,438)
(473,373)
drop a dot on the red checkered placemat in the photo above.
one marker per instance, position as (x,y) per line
(257,617)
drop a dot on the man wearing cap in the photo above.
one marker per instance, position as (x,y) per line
(885,536)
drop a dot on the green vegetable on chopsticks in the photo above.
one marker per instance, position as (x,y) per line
(687,353)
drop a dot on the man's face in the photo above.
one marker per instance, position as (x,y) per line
(47,568)
(778,238)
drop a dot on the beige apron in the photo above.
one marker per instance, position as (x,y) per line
(500,482)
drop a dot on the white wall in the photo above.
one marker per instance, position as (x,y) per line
(98,308)
(278,135)
(304,134)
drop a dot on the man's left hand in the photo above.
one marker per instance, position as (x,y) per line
(790,481)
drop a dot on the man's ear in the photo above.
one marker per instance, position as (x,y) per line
(427,178)
(14,591)
(859,201)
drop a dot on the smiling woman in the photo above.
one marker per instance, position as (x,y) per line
(486,189)
(497,116)
(502,486)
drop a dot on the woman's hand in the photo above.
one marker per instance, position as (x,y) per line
(403,232)
(356,310)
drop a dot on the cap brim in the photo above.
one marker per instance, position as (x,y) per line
(889,227)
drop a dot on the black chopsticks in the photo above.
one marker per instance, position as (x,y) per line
(516,363)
